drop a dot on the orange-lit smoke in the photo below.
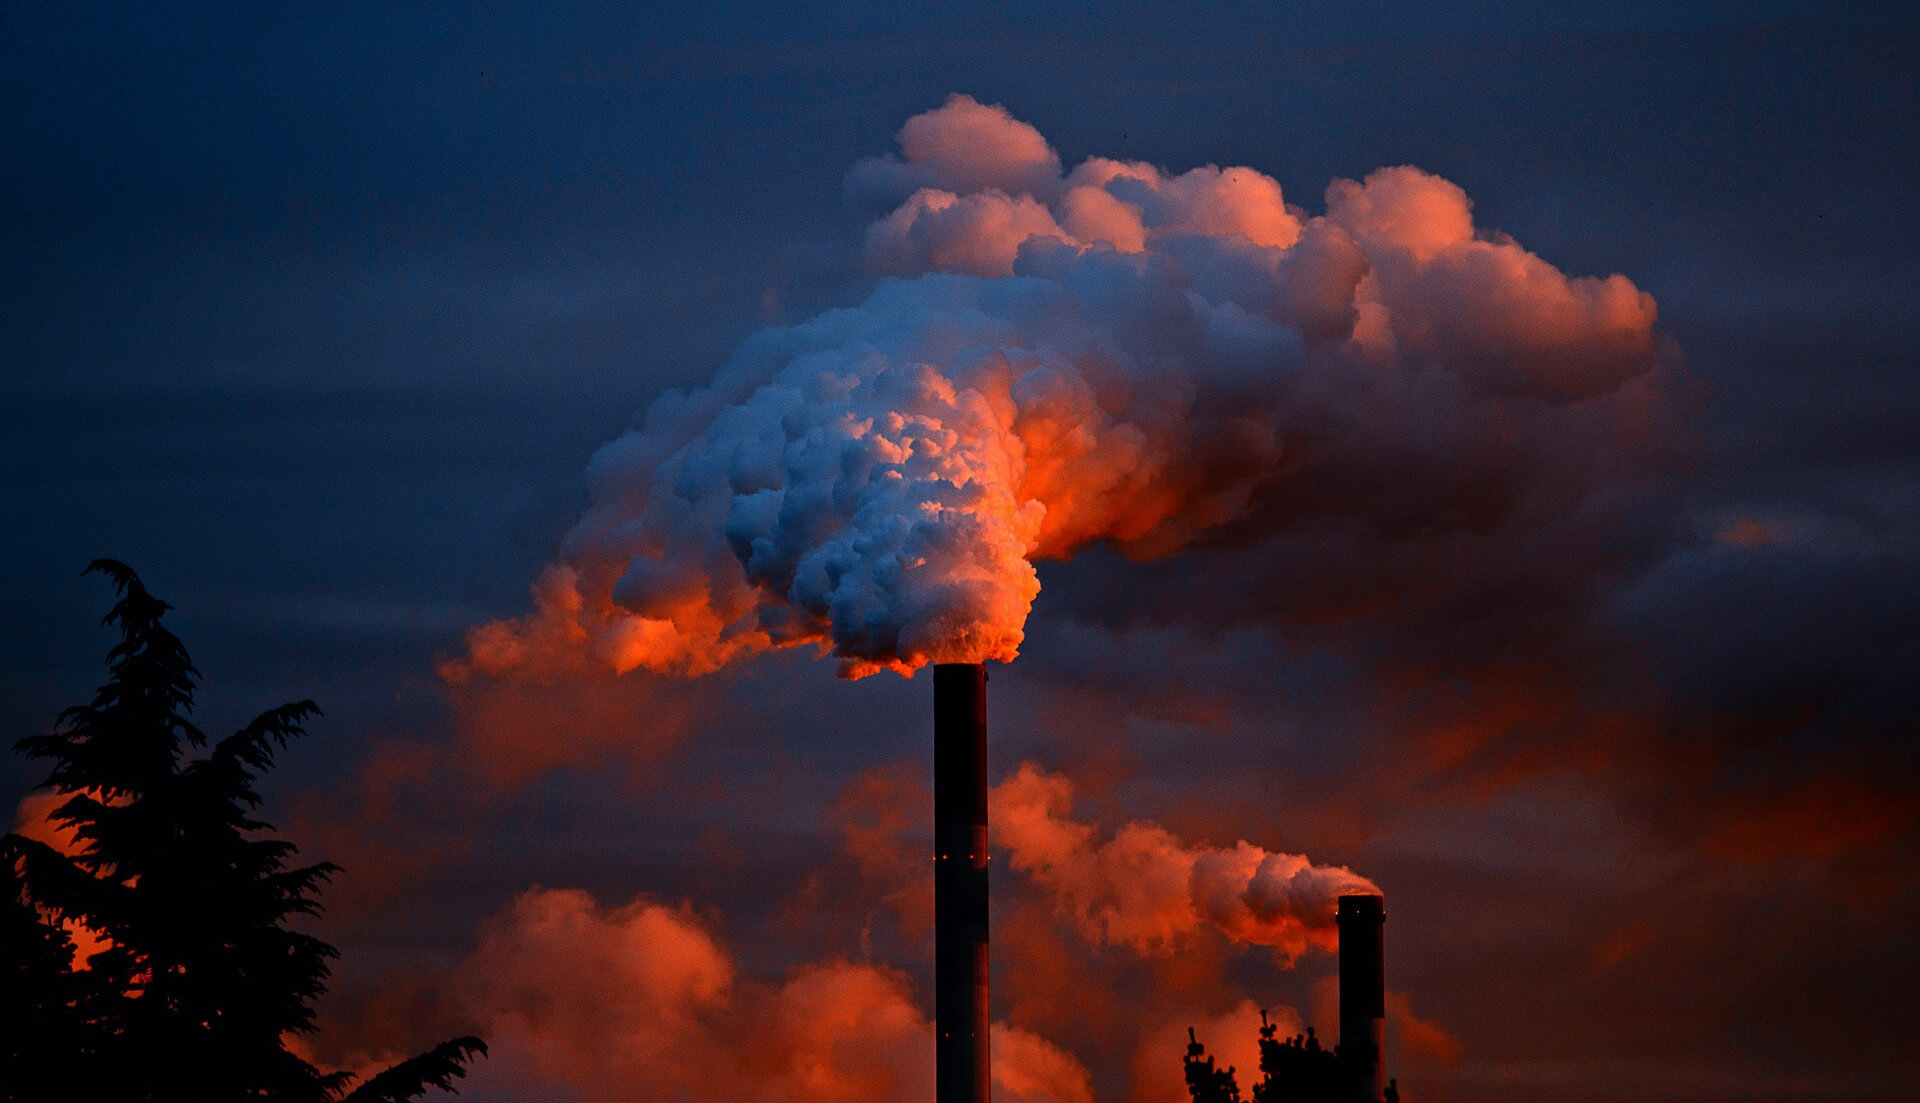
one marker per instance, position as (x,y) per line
(1146,890)
(644,1001)
(1112,353)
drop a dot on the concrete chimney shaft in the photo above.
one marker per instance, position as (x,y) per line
(1363,987)
(960,882)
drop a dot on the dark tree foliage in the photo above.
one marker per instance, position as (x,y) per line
(1292,1070)
(44,1010)
(1205,1083)
(438,1067)
(202,977)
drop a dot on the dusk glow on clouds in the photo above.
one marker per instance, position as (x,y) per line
(1467,454)
(644,1000)
(1146,890)
(1114,354)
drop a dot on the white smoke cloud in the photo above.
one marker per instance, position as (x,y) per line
(1146,890)
(1114,353)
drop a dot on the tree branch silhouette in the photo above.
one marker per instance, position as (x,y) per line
(197,979)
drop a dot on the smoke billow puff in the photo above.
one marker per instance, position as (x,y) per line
(1055,358)
(1146,890)
(644,1001)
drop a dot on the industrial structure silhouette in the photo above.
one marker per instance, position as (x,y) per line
(1301,1070)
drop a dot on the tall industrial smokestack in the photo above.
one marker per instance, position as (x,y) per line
(960,882)
(1363,987)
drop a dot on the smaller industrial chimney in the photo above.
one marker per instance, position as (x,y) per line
(1363,987)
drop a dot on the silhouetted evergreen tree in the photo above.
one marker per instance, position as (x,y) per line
(44,1032)
(1205,1083)
(202,977)
(1293,1070)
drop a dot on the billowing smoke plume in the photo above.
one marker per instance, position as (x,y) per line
(1112,353)
(1145,889)
(643,1001)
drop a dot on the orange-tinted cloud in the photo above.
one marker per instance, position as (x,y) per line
(961,146)
(1145,889)
(644,1000)
(1418,1037)
(514,728)
(978,234)
(1113,354)
(1029,1069)
(1819,817)
(882,817)
(1232,1040)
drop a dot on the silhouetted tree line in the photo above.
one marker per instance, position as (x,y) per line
(199,978)
(1292,1070)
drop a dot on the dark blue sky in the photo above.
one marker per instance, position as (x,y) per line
(316,317)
